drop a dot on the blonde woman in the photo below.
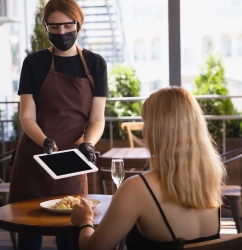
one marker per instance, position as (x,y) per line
(179,197)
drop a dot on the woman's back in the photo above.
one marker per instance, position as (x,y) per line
(187,223)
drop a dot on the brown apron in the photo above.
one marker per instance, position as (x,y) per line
(63,109)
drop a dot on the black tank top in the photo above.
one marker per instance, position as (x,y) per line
(135,240)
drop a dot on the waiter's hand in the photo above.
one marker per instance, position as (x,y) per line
(49,146)
(87,149)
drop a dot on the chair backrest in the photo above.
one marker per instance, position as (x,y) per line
(133,126)
(4,190)
(225,243)
(5,159)
(131,166)
(6,156)
(231,152)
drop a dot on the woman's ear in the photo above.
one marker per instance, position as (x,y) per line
(78,27)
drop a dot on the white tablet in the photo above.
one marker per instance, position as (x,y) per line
(66,163)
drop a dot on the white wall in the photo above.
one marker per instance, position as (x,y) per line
(150,25)
(202,19)
(20,11)
(5,63)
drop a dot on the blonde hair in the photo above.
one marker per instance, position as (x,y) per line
(182,152)
(68,7)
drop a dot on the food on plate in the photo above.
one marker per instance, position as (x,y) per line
(68,202)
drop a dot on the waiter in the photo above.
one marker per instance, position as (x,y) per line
(63,93)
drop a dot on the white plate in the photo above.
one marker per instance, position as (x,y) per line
(46,205)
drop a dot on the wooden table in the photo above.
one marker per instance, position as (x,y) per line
(134,153)
(28,217)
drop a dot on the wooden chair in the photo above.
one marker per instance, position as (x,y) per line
(226,243)
(4,190)
(133,139)
(132,167)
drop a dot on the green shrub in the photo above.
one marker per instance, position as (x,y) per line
(39,39)
(211,81)
(16,127)
(122,82)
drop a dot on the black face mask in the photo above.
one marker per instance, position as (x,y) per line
(63,41)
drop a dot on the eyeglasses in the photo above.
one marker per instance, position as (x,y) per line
(56,27)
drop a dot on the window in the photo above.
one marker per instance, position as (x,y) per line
(15,85)
(230,7)
(226,45)
(155,49)
(207,45)
(3,8)
(189,53)
(148,11)
(239,45)
(139,50)
(154,85)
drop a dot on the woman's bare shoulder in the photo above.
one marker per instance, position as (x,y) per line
(147,175)
(131,184)
(129,196)
(135,187)
(136,179)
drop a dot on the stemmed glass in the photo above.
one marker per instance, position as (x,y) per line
(117,170)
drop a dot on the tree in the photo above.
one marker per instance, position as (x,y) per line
(39,39)
(211,81)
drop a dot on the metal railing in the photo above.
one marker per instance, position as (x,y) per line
(222,118)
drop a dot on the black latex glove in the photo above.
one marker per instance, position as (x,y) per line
(87,149)
(49,146)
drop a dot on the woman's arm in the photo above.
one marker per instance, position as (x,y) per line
(120,217)
(28,119)
(96,121)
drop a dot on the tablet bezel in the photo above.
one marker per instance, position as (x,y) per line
(56,177)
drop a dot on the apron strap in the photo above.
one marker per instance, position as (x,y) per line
(52,66)
(88,74)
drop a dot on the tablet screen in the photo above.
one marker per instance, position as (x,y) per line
(65,163)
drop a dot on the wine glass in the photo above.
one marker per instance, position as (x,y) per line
(117,170)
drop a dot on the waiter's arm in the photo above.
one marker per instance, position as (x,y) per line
(96,121)
(28,119)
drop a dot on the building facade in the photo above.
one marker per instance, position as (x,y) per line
(204,24)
